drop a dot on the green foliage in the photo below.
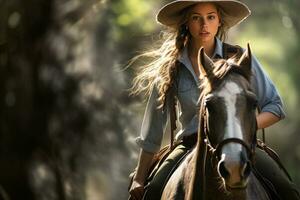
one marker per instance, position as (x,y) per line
(133,16)
(130,11)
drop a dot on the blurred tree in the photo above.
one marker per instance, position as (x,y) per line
(58,108)
(63,118)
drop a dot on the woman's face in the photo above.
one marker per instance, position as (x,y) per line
(203,22)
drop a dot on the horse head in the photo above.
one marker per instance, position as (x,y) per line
(228,114)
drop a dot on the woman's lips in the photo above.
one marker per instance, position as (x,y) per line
(204,34)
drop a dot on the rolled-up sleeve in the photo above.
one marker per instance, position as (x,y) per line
(153,125)
(269,99)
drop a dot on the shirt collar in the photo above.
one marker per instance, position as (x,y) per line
(218,53)
(184,58)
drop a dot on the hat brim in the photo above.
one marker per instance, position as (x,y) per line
(171,14)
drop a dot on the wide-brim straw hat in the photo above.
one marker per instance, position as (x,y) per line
(171,14)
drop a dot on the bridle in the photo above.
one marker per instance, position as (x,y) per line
(215,151)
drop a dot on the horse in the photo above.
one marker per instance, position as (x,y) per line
(220,166)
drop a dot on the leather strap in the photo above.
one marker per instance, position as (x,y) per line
(173,116)
(263,130)
(274,156)
(172,105)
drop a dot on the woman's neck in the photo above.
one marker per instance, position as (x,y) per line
(193,48)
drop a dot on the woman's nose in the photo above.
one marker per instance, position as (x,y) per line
(203,21)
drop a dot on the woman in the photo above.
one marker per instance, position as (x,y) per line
(194,24)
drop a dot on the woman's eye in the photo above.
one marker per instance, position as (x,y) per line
(211,17)
(195,18)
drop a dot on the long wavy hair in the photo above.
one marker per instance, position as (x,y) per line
(160,71)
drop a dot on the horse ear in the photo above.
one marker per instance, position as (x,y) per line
(246,59)
(205,65)
(245,62)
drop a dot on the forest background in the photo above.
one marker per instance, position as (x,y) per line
(67,122)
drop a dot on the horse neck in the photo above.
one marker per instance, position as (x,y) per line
(197,184)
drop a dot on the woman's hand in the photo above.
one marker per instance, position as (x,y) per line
(136,190)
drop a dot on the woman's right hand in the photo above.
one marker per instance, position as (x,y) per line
(136,190)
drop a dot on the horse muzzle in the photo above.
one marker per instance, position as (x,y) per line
(234,170)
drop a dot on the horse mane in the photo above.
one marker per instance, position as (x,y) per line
(221,69)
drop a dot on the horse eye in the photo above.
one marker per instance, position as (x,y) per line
(253,103)
(252,99)
(210,105)
(209,101)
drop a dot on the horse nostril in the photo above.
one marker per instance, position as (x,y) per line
(223,171)
(246,169)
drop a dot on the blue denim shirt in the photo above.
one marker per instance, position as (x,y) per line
(155,120)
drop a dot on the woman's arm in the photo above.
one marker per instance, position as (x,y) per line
(153,126)
(266,119)
(269,99)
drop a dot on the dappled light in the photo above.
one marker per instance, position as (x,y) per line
(67,122)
